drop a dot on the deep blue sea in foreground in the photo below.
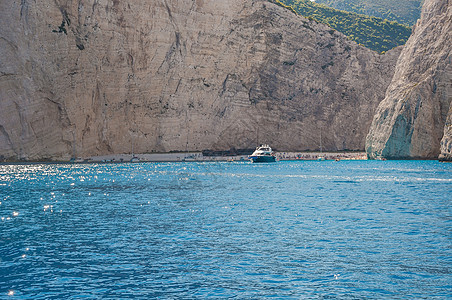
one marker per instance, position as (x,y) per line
(286,230)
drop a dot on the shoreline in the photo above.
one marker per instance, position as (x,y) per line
(199,157)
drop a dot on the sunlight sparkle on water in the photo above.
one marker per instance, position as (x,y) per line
(289,230)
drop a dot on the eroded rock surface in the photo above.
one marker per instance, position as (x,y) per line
(446,142)
(84,78)
(410,121)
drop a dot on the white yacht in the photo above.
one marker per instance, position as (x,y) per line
(263,153)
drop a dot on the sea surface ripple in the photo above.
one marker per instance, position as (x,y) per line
(285,230)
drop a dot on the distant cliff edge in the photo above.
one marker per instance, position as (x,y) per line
(85,78)
(414,119)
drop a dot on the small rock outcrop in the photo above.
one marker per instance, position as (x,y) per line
(410,121)
(85,78)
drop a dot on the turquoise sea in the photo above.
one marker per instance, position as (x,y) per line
(285,230)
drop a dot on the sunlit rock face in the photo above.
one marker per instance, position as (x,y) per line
(446,142)
(84,78)
(410,121)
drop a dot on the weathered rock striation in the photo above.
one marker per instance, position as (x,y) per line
(90,77)
(446,142)
(410,121)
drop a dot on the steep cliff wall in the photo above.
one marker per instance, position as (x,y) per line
(92,77)
(446,142)
(409,122)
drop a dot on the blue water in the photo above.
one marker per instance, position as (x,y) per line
(291,230)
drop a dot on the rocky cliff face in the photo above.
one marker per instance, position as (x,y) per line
(90,77)
(446,142)
(410,121)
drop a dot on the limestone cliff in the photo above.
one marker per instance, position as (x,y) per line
(446,142)
(93,77)
(409,122)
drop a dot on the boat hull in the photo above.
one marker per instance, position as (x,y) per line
(263,159)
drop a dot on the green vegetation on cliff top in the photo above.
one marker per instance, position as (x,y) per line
(403,11)
(374,33)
